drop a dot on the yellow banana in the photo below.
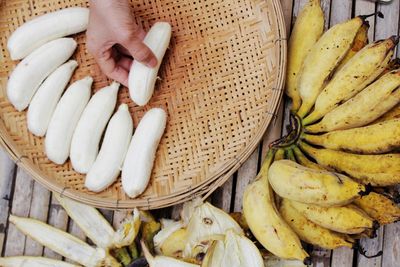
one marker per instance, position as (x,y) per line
(360,41)
(311,21)
(377,170)
(310,232)
(373,139)
(360,71)
(264,220)
(394,113)
(303,160)
(323,59)
(293,181)
(280,154)
(379,207)
(347,219)
(364,108)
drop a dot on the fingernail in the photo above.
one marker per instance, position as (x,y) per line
(152,63)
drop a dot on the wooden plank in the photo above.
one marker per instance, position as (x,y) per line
(363,8)
(245,175)
(15,242)
(7,171)
(222,197)
(372,247)
(58,218)
(385,28)
(39,210)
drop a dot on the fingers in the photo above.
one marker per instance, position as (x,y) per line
(141,52)
(116,70)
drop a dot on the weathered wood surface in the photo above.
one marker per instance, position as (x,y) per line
(20,195)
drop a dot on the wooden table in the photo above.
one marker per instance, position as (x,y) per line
(20,195)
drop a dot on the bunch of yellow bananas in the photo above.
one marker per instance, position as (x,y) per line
(322,183)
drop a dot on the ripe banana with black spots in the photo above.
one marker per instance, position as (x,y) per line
(359,43)
(311,21)
(377,170)
(310,232)
(364,108)
(359,72)
(346,219)
(394,113)
(264,220)
(379,207)
(376,138)
(293,181)
(324,57)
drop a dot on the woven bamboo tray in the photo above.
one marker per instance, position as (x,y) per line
(222,81)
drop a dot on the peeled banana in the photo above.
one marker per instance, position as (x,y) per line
(360,71)
(377,138)
(264,220)
(310,232)
(293,181)
(347,219)
(377,170)
(364,108)
(311,21)
(379,207)
(323,59)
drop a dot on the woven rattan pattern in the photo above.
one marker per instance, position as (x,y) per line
(221,84)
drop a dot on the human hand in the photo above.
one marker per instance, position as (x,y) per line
(113,38)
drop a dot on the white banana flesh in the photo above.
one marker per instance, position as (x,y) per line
(31,72)
(46,98)
(207,221)
(162,261)
(108,163)
(90,221)
(60,242)
(236,250)
(65,119)
(26,261)
(45,28)
(142,79)
(141,154)
(91,125)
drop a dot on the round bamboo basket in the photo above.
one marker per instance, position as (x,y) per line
(221,83)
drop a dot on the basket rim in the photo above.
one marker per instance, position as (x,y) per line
(204,188)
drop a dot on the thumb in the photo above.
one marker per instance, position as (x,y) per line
(141,52)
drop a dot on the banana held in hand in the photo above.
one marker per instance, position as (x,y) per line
(310,232)
(323,59)
(348,219)
(311,21)
(142,78)
(377,170)
(377,138)
(379,207)
(264,220)
(360,71)
(293,181)
(365,107)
